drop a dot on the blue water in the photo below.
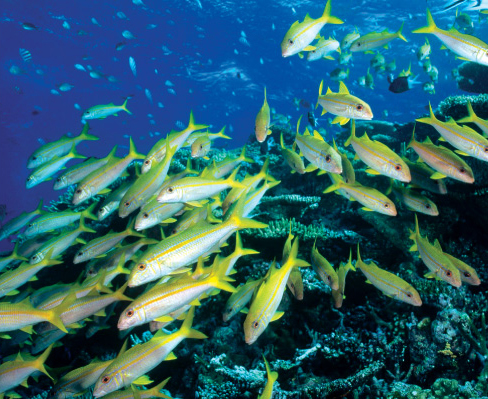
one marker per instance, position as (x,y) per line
(213,72)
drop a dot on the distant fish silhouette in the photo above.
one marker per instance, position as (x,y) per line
(25,54)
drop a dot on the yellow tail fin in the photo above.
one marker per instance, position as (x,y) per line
(430,27)
(328,18)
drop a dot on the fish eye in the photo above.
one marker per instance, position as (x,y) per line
(170,189)
(34,257)
(485,149)
(129,313)
(448,273)
(329,278)
(201,146)
(467,274)
(290,41)
(30,225)
(462,170)
(145,215)
(398,167)
(79,253)
(78,191)
(313,51)
(126,203)
(386,205)
(106,379)
(359,43)
(87,112)
(29,178)
(147,162)
(141,267)
(34,158)
(58,179)
(328,158)
(255,324)
(427,206)
(359,107)
(409,294)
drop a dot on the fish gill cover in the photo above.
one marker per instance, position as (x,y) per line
(168,224)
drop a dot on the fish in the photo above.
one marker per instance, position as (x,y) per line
(463,138)
(374,40)
(14,256)
(343,104)
(192,189)
(240,298)
(324,269)
(140,359)
(294,161)
(388,283)
(378,156)
(29,26)
(111,203)
(466,47)
(211,136)
(224,167)
(176,139)
(18,222)
(185,247)
(443,160)
(439,265)
(25,55)
(339,74)
(318,152)
(201,147)
(146,185)
(56,220)
(323,48)
(413,200)
(471,5)
(104,110)
(196,215)
(338,295)
(378,61)
(97,181)
(370,198)
(128,35)
(473,118)
(153,213)
(421,173)
(262,123)
(79,380)
(391,66)
(402,84)
(272,377)
(429,87)
(74,174)
(301,34)
(168,297)
(145,393)
(133,67)
(424,51)
(347,173)
(369,80)
(229,261)
(467,273)
(16,372)
(349,39)
(264,306)
(58,148)
(344,58)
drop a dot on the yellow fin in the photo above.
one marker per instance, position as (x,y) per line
(277,315)
(309,48)
(437,176)
(370,171)
(142,380)
(343,88)
(171,356)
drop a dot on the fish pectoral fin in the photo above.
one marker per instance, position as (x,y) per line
(367,209)
(164,319)
(13,292)
(142,380)
(245,310)
(323,111)
(329,57)
(431,275)
(321,172)
(5,336)
(171,356)
(461,153)
(195,204)
(309,48)
(169,220)
(300,54)
(277,316)
(104,191)
(437,176)
(370,171)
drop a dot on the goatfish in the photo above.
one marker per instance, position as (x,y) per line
(201,147)
(58,244)
(324,269)
(101,245)
(16,372)
(424,51)
(370,198)
(343,104)
(176,139)
(140,359)
(294,161)
(301,34)
(104,110)
(374,40)
(338,295)
(349,39)
(48,169)
(379,157)
(443,160)
(318,152)
(190,190)
(264,306)
(112,202)
(187,246)
(98,181)
(253,198)
(192,217)
(229,261)
(413,200)
(263,121)
(272,377)
(145,393)
(467,47)
(79,380)
(18,222)
(211,136)
(468,274)
(348,173)
(56,220)
(222,168)
(240,298)
(168,297)
(323,48)
(473,118)
(58,148)
(439,265)
(154,212)
(420,174)
(388,283)
(78,172)
(465,139)
(146,185)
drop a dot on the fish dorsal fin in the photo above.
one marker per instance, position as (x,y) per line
(437,244)
(343,88)
(427,140)
(294,24)
(307,17)
(306,133)
(329,91)
(365,136)
(317,135)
